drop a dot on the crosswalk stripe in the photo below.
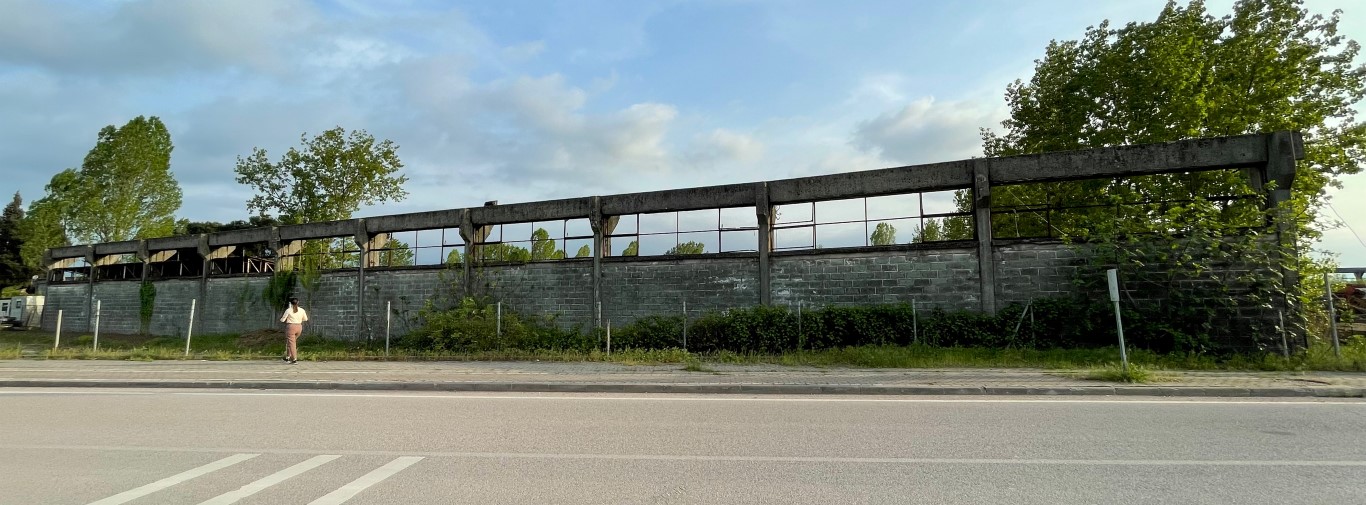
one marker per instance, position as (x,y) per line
(139,492)
(350,490)
(271,480)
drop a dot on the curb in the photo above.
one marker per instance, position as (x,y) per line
(752,389)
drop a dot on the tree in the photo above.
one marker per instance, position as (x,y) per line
(687,248)
(503,253)
(931,231)
(543,247)
(124,189)
(584,252)
(327,179)
(884,234)
(396,253)
(187,227)
(41,230)
(632,249)
(1268,66)
(12,268)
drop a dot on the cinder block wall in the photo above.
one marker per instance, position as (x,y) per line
(935,277)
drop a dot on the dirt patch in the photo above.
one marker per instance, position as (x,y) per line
(260,338)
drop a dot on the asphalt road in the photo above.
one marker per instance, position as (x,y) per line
(188,447)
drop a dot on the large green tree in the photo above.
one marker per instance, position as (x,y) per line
(543,247)
(12,268)
(124,189)
(40,230)
(884,234)
(1269,65)
(327,178)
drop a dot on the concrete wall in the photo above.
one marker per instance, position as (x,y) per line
(943,278)
(633,288)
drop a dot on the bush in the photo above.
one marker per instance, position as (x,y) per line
(472,325)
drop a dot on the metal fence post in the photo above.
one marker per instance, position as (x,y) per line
(388,313)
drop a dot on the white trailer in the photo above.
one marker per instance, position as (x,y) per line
(21,311)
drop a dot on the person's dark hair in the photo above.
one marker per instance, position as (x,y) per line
(293,300)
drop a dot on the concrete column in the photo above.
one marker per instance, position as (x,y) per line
(986,256)
(470,236)
(1279,176)
(90,261)
(596,221)
(362,240)
(204,254)
(764,214)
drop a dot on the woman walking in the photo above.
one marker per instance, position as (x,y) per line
(293,318)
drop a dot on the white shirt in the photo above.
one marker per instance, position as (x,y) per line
(293,317)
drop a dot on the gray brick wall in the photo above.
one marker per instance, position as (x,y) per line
(563,290)
(406,291)
(636,288)
(331,307)
(631,288)
(119,306)
(1027,271)
(940,278)
(171,311)
(235,305)
(71,300)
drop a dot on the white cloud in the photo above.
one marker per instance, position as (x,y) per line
(926,130)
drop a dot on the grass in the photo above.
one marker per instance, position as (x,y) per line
(257,346)
(1135,374)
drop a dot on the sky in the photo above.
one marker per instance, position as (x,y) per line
(530,100)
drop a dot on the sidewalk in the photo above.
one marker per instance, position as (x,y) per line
(616,378)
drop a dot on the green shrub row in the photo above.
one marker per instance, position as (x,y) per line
(1051,323)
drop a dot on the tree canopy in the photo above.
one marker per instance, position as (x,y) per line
(687,248)
(1269,65)
(12,267)
(124,189)
(327,178)
(884,234)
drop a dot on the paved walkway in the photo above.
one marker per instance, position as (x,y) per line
(611,377)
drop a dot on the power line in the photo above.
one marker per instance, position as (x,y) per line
(1348,225)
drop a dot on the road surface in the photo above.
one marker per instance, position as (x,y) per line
(218,447)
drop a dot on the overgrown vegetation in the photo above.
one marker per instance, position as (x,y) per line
(147,299)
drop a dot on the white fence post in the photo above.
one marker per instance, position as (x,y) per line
(58,342)
(190,329)
(388,314)
(97,324)
(1113,276)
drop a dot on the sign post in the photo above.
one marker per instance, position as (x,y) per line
(1113,276)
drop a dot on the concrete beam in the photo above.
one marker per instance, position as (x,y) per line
(324,230)
(710,197)
(240,237)
(75,251)
(436,219)
(886,181)
(1180,156)
(172,243)
(112,248)
(553,210)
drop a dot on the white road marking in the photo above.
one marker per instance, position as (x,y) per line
(350,490)
(139,492)
(271,480)
(742,459)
